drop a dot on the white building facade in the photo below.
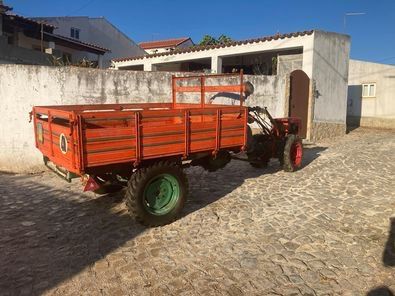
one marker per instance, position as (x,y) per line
(321,57)
(97,31)
(27,41)
(371,95)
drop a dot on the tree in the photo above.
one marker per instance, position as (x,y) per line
(223,39)
(210,40)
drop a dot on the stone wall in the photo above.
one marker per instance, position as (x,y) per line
(374,122)
(322,130)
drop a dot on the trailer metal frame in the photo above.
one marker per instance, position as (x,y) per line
(84,138)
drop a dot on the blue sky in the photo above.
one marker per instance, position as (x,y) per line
(373,34)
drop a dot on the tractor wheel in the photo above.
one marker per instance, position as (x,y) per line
(108,184)
(156,194)
(293,154)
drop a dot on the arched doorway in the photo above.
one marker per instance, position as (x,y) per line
(299,98)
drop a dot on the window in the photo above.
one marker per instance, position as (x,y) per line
(75,33)
(368,90)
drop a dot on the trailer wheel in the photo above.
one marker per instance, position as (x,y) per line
(293,153)
(156,194)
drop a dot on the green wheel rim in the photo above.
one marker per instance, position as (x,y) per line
(161,194)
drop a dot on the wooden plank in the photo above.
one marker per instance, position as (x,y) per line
(109,137)
(209,88)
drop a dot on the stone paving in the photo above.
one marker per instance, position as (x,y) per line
(324,230)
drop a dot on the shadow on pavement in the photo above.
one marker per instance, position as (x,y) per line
(380,291)
(350,128)
(389,250)
(310,154)
(388,260)
(206,188)
(48,235)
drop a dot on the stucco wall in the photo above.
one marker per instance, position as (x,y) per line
(288,63)
(19,55)
(378,111)
(100,32)
(31,43)
(22,87)
(330,76)
(305,42)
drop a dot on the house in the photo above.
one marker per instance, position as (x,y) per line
(314,62)
(371,95)
(158,46)
(96,30)
(27,41)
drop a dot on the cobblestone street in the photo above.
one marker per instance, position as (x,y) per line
(323,230)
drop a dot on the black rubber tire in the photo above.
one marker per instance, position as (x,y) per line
(288,164)
(135,193)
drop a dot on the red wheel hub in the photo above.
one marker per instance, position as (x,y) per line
(296,154)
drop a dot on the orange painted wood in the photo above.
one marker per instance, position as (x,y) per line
(99,135)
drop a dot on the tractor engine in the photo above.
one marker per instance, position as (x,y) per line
(272,140)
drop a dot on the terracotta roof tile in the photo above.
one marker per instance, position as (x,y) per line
(163,43)
(76,41)
(22,18)
(5,7)
(208,47)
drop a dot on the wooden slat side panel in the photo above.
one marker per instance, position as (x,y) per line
(108,140)
(208,88)
(165,149)
(109,157)
(110,136)
(104,134)
(58,157)
(101,107)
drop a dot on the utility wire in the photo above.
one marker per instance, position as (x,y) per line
(80,8)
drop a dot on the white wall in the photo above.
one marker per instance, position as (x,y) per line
(378,111)
(11,54)
(324,59)
(107,35)
(158,50)
(287,63)
(306,42)
(23,86)
(100,32)
(330,74)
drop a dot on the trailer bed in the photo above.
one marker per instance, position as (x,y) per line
(82,138)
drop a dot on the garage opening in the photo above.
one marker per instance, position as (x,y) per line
(198,65)
(263,63)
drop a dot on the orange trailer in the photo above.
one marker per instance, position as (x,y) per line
(145,143)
